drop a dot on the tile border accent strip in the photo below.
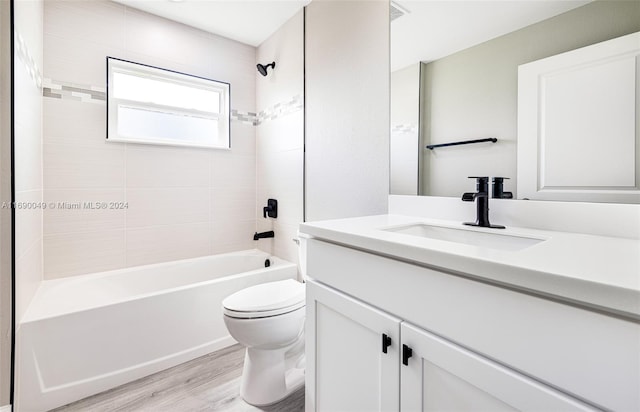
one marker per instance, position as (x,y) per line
(244,117)
(56,89)
(274,112)
(403,128)
(280,109)
(27,59)
(73,91)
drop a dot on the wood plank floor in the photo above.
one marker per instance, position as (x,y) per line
(208,383)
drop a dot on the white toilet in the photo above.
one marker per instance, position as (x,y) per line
(269,320)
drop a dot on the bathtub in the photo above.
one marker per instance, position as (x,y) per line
(86,334)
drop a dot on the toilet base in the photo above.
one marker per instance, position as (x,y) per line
(265,380)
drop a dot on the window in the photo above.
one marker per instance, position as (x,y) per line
(150,105)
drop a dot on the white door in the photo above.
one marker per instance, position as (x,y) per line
(579,124)
(352,354)
(437,375)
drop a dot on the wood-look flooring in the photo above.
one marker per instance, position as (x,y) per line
(208,383)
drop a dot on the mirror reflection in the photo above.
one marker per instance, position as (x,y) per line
(455,78)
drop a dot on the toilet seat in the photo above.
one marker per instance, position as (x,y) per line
(265,300)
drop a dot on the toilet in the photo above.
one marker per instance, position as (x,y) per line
(268,319)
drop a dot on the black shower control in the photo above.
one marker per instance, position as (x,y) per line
(271,209)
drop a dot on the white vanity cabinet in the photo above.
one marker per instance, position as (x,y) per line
(363,359)
(474,346)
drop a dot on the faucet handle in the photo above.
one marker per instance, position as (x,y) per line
(498,189)
(482,183)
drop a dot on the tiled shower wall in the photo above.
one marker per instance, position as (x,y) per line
(280,136)
(182,202)
(28,150)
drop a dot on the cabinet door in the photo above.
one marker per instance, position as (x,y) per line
(578,118)
(441,376)
(347,368)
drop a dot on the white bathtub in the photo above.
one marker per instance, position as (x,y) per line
(85,334)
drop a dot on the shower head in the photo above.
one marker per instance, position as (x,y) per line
(262,68)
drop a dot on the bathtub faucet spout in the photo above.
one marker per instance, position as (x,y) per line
(263,235)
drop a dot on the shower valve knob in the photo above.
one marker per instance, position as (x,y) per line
(271,209)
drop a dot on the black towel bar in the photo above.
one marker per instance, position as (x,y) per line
(490,139)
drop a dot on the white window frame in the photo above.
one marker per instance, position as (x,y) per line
(115,65)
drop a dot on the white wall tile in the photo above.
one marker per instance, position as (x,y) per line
(28,99)
(234,63)
(75,210)
(286,47)
(28,277)
(28,18)
(69,166)
(158,37)
(74,123)
(28,158)
(283,245)
(28,151)
(28,221)
(234,203)
(167,206)
(280,141)
(233,235)
(96,21)
(243,139)
(166,243)
(167,166)
(229,170)
(74,59)
(80,253)
(282,134)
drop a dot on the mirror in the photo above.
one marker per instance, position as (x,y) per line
(463,84)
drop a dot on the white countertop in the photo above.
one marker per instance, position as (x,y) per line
(596,271)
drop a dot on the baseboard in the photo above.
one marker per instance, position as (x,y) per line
(6,408)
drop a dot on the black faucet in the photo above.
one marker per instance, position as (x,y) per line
(263,235)
(482,203)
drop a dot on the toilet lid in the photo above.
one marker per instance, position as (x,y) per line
(266,299)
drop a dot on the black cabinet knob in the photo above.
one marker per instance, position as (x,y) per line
(386,342)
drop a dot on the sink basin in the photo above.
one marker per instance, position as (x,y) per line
(493,240)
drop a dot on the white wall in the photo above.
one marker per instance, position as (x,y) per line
(182,202)
(347,108)
(280,136)
(28,150)
(405,119)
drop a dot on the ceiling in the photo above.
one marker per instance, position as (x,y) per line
(247,21)
(434,29)
(430,30)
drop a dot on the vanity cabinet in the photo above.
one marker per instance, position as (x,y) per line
(474,345)
(363,359)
